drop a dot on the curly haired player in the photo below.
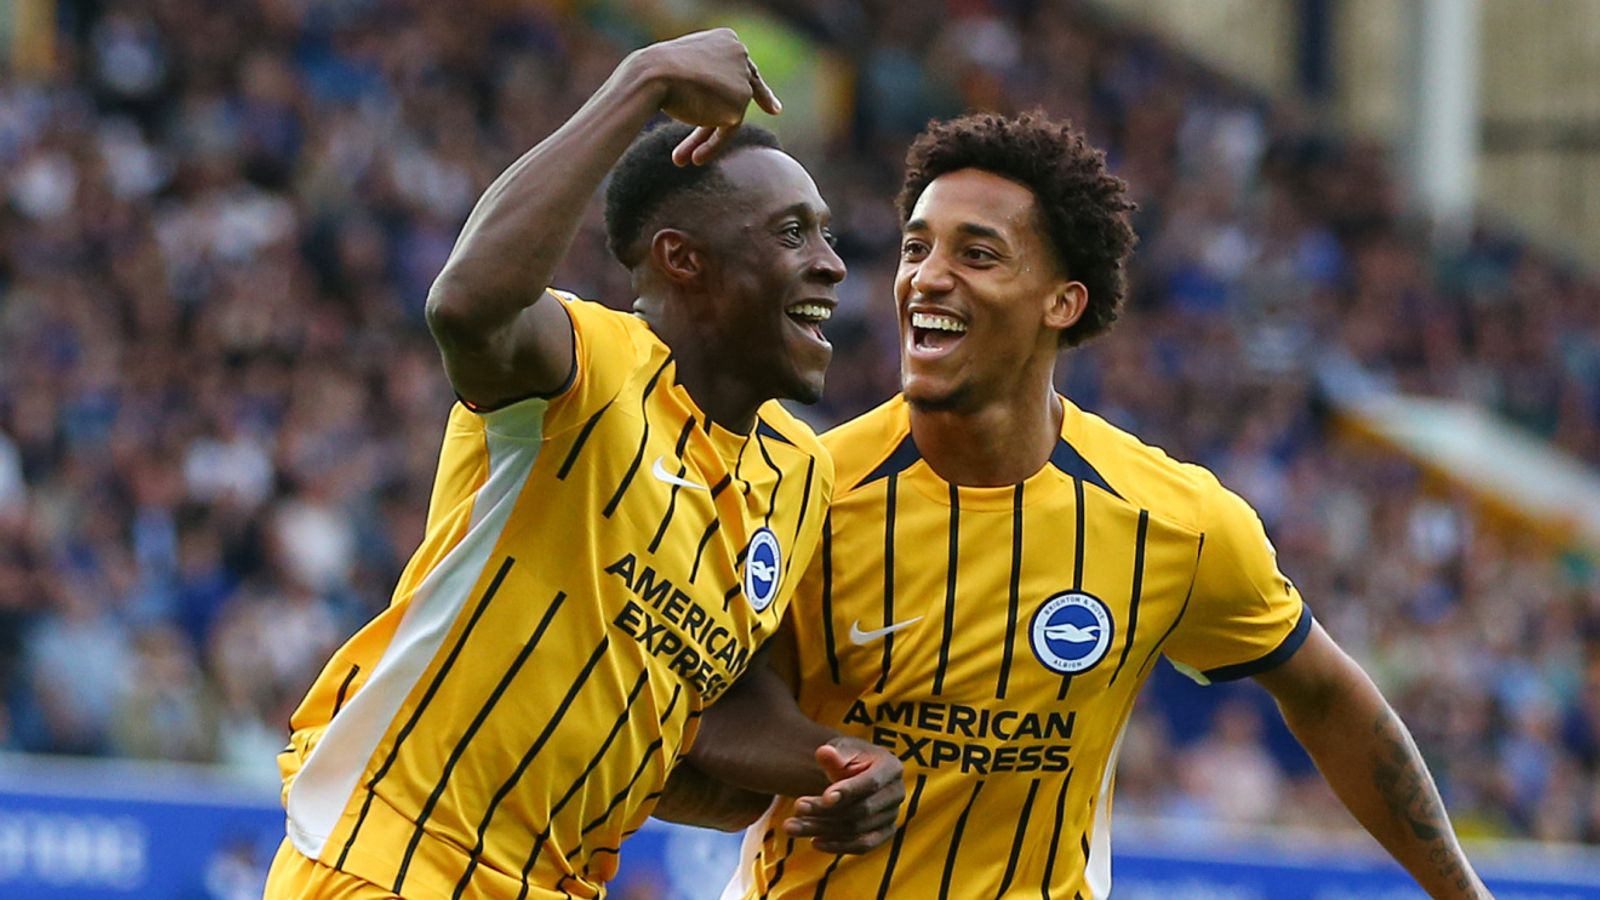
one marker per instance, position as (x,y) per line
(1001,569)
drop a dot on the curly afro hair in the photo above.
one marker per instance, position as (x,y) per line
(645,178)
(1083,208)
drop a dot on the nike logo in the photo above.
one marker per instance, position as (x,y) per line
(862,637)
(659,470)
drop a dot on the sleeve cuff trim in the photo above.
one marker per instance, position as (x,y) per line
(1272,660)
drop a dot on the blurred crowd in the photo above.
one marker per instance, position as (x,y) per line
(220,408)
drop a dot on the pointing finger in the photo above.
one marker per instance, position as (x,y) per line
(708,149)
(762,92)
(683,154)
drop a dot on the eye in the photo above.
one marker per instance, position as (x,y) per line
(830,237)
(912,249)
(792,234)
(981,255)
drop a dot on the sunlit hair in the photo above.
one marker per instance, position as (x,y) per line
(646,178)
(1083,209)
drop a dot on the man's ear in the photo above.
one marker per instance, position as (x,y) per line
(679,256)
(1066,305)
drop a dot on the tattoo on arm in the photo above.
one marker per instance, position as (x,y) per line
(1402,779)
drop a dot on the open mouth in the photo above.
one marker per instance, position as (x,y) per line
(809,315)
(935,331)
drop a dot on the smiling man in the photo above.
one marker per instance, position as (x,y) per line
(619,518)
(1001,570)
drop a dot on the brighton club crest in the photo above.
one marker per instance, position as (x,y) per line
(1071,632)
(763,569)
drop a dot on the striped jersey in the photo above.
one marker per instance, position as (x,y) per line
(994,638)
(597,568)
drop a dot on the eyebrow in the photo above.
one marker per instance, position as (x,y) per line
(801,209)
(968,228)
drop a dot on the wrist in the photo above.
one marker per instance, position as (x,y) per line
(641,74)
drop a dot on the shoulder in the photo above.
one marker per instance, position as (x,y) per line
(1142,474)
(775,423)
(611,348)
(862,444)
(601,324)
(778,425)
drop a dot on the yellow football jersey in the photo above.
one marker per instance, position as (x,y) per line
(597,567)
(995,638)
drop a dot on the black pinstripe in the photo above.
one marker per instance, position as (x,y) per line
(644,438)
(805,497)
(344,686)
(888,579)
(1055,836)
(777,871)
(1156,647)
(1016,840)
(900,836)
(955,841)
(711,528)
(822,883)
(422,706)
(949,590)
(1077,565)
(471,732)
(772,501)
(1133,598)
(672,496)
(1016,580)
(527,760)
(583,438)
(827,598)
(577,784)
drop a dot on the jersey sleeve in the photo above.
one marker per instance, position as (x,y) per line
(605,355)
(1244,617)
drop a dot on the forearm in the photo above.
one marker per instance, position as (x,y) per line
(1369,759)
(693,798)
(522,225)
(757,739)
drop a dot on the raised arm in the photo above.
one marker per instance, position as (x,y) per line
(1368,757)
(500,339)
(757,742)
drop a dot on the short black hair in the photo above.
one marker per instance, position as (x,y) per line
(1084,209)
(646,177)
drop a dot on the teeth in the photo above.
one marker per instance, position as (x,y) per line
(816,312)
(937,323)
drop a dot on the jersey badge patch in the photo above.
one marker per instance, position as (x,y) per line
(763,569)
(1071,632)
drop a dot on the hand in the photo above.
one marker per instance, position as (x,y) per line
(710,81)
(857,811)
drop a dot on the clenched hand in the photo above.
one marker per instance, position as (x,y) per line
(857,811)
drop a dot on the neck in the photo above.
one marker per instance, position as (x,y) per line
(997,444)
(726,398)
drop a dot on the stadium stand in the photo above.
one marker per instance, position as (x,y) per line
(219,406)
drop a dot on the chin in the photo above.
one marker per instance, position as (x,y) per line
(933,397)
(801,379)
(805,390)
